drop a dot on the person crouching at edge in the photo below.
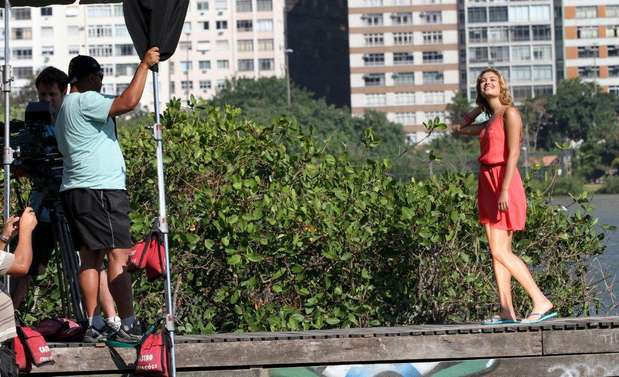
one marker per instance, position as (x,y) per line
(501,200)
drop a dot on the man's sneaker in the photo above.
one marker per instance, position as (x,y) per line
(92,335)
(132,335)
(107,331)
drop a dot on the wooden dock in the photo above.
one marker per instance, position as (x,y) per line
(559,347)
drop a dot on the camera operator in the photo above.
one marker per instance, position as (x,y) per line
(51,85)
(16,264)
(93,182)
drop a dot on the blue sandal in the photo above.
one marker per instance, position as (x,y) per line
(497,320)
(540,317)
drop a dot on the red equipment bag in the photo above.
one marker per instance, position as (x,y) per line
(149,254)
(22,359)
(35,345)
(60,330)
(153,356)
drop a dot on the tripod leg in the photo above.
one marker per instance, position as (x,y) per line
(70,261)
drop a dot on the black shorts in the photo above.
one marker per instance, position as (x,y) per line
(99,219)
(43,243)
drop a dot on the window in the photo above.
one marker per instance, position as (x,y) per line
(400,58)
(47,50)
(404,78)
(405,98)
(108,69)
(99,11)
(184,45)
(402,18)
(478,35)
(432,37)
(374,79)
(99,31)
(205,25)
(21,14)
(126,69)
(478,54)
(521,92)
(613,50)
(612,31)
(222,44)
(205,84)
(587,12)
(266,64)
(520,33)
(120,30)
(584,32)
(47,11)
(246,65)
(23,72)
(243,6)
(244,25)
(519,13)
(411,138)
(245,45)
(186,65)
(73,30)
(221,25)
(125,50)
(589,71)
(612,11)
(22,53)
(477,14)
(541,32)
(264,5)
(498,34)
(433,77)
(373,3)
(202,5)
(430,57)
(434,97)
(187,27)
(613,90)
(108,89)
(47,32)
(223,64)
(497,14)
(433,17)
(101,50)
(221,84)
(499,54)
(521,53)
(542,72)
(264,25)
(186,85)
(204,65)
(118,10)
(521,73)
(376,99)
(405,118)
(372,19)
(542,90)
(541,53)
(21,33)
(75,49)
(403,38)
(374,39)
(221,4)
(430,115)
(265,45)
(374,59)
(588,52)
(540,13)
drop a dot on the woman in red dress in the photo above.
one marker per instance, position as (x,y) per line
(501,199)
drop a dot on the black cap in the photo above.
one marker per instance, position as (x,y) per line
(81,66)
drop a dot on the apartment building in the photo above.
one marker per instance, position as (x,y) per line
(403,59)
(591,41)
(227,39)
(515,37)
(52,35)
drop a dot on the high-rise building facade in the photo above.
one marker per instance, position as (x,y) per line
(227,39)
(52,35)
(591,41)
(515,37)
(403,59)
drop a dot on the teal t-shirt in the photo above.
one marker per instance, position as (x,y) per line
(86,138)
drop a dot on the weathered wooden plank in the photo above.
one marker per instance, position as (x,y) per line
(595,365)
(89,359)
(581,341)
(354,350)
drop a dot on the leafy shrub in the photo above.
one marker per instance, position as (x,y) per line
(265,238)
(611,186)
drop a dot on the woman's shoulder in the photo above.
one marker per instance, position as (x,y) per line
(511,111)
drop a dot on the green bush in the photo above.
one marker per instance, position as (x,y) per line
(611,186)
(263,238)
(559,186)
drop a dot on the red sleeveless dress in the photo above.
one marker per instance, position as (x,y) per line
(492,160)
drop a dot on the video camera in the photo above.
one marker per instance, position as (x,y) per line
(36,154)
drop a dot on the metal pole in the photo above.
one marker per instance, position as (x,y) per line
(286,59)
(7,159)
(163,223)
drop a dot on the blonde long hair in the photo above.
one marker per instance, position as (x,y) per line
(504,96)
